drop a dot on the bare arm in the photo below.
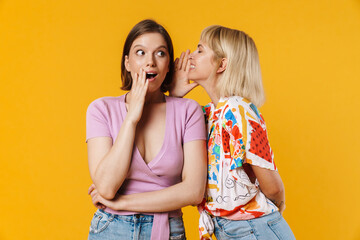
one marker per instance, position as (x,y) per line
(271,185)
(189,192)
(109,164)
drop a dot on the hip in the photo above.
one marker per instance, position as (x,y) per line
(110,226)
(271,226)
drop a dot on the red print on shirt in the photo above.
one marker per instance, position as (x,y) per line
(259,144)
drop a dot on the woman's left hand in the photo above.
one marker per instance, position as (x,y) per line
(181,85)
(102,203)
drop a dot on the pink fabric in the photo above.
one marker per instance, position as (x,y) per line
(184,123)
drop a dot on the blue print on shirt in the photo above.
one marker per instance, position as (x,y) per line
(230,116)
(214,177)
(216,151)
(254,108)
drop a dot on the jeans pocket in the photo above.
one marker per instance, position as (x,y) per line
(280,228)
(177,230)
(231,229)
(100,221)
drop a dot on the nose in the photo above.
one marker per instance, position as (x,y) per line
(191,56)
(150,61)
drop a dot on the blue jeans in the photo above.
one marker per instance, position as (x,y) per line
(107,226)
(271,226)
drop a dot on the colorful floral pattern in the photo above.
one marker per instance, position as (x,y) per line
(237,136)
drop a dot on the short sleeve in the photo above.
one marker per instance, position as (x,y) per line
(97,120)
(206,111)
(194,122)
(249,141)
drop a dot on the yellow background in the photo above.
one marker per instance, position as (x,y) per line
(58,56)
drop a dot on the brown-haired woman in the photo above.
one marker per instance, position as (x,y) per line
(146,151)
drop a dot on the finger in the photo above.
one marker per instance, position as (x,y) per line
(186,59)
(100,206)
(176,63)
(143,76)
(146,85)
(142,84)
(91,188)
(181,60)
(140,80)
(187,67)
(144,89)
(134,81)
(93,193)
(96,201)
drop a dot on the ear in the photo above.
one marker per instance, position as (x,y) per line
(126,63)
(222,66)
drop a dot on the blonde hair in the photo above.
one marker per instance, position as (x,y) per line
(242,76)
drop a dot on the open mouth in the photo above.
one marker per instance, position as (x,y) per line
(151,75)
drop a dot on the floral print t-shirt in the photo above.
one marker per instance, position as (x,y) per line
(236,137)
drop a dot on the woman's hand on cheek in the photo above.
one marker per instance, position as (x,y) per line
(138,92)
(181,85)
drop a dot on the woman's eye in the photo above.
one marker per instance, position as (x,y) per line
(140,52)
(161,53)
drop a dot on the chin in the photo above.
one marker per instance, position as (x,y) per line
(152,90)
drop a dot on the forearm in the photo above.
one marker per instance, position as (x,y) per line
(113,168)
(271,185)
(277,198)
(168,199)
(188,192)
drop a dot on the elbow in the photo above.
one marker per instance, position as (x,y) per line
(274,191)
(197,196)
(106,188)
(195,199)
(198,199)
(107,192)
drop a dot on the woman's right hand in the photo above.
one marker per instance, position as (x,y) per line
(181,85)
(137,97)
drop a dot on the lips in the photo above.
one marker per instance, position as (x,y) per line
(151,75)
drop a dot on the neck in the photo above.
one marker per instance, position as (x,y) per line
(150,97)
(210,88)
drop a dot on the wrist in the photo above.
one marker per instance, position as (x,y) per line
(122,203)
(130,122)
(172,94)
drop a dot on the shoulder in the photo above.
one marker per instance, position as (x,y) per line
(236,101)
(108,101)
(241,106)
(104,104)
(184,103)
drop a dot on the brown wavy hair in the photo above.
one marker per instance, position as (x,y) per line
(146,26)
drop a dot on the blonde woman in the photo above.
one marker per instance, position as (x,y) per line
(245,195)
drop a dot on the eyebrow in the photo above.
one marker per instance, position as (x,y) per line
(199,45)
(161,46)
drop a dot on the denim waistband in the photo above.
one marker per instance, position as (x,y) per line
(130,218)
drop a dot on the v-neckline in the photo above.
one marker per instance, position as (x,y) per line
(161,152)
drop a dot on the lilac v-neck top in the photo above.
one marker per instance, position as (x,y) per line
(184,123)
